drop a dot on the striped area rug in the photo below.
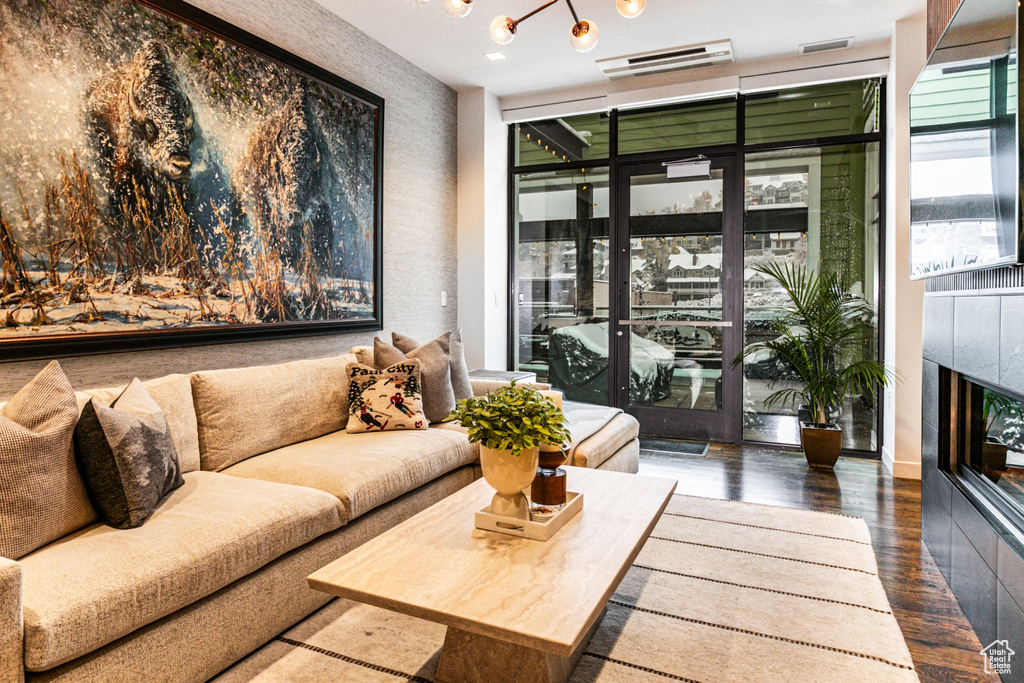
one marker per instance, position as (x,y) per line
(723,592)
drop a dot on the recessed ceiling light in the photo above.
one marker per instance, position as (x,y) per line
(494,56)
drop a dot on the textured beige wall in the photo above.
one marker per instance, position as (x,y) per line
(420,259)
(904,298)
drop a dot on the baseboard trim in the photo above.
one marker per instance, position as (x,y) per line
(900,469)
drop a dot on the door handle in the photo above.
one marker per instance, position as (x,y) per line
(677,323)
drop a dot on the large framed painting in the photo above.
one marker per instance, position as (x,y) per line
(168,179)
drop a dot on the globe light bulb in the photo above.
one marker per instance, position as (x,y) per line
(458,8)
(630,8)
(503,30)
(583,36)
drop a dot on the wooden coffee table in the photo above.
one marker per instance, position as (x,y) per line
(516,609)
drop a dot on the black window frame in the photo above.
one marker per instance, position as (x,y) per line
(739,150)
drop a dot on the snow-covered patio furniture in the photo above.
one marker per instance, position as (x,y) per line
(578,365)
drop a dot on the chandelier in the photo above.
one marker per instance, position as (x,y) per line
(582,36)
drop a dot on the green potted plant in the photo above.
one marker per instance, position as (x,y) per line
(510,424)
(820,334)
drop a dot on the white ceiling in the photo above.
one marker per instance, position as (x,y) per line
(540,57)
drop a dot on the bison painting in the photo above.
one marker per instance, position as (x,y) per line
(161,171)
(283,182)
(141,127)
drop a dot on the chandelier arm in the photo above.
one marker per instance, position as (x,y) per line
(539,9)
(573,10)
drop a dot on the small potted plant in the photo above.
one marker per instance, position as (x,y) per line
(510,424)
(820,335)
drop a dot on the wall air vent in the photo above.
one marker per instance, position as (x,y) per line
(666,61)
(825,46)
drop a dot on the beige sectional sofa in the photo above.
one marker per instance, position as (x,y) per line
(274,489)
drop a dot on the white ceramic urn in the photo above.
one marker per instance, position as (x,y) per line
(509,475)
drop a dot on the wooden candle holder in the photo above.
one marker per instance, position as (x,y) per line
(548,486)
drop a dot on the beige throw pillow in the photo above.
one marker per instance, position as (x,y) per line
(385,400)
(42,497)
(438,396)
(461,385)
(363,354)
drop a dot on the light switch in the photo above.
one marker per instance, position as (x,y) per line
(444,299)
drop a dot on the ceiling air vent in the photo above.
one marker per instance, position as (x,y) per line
(665,61)
(825,46)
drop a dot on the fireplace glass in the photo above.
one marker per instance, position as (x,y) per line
(994,440)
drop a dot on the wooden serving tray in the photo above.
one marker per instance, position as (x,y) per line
(538,531)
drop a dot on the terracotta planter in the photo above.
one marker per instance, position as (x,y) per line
(509,474)
(822,443)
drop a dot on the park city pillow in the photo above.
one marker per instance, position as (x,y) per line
(42,497)
(127,456)
(461,385)
(438,395)
(384,400)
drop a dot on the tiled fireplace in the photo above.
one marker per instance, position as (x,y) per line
(972,517)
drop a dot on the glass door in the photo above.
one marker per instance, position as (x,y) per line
(679,264)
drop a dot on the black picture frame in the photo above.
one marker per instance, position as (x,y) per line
(92,343)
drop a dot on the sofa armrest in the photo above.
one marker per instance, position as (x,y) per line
(12,652)
(482,387)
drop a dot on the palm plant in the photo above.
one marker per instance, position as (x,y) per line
(996,406)
(820,333)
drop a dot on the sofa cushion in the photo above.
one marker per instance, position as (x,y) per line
(626,459)
(482,387)
(102,583)
(173,394)
(246,411)
(363,470)
(126,455)
(605,442)
(435,373)
(42,497)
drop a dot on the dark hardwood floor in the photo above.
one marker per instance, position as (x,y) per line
(941,641)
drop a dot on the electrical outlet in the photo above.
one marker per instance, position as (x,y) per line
(444,299)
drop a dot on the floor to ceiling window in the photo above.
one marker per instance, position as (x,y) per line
(796,178)
(812,198)
(562,274)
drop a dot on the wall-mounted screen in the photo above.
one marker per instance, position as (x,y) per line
(964,158)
